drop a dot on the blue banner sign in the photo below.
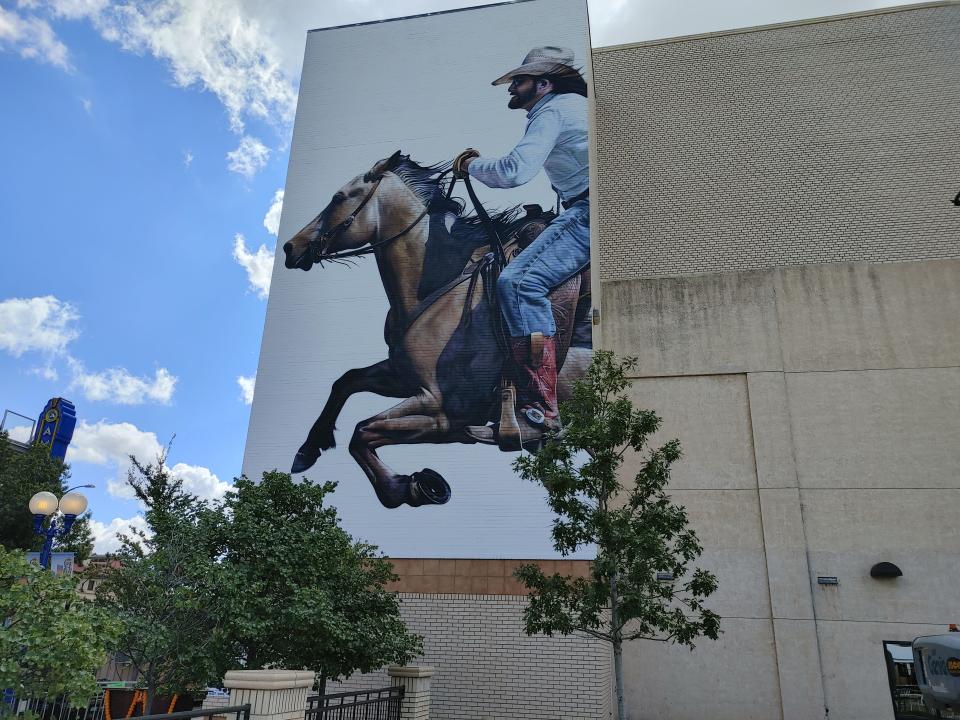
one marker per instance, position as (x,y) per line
(55,426)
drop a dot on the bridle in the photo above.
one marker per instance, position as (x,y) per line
(316,245)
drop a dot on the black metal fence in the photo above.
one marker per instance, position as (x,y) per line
(51,708)
(59,708)
(382,704)
(231,712)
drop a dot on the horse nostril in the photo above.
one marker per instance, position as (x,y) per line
(287,247)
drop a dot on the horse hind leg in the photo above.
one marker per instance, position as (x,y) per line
(403,424)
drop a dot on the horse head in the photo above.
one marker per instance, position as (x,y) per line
(348,222)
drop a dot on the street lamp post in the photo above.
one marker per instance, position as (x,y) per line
(45,504)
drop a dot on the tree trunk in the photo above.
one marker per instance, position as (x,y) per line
(151,691)
(618,675)
(617,647)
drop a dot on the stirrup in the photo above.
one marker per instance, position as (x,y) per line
(513,434)
(508,437)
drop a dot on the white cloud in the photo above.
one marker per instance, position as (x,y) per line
(87,105)
(33,38)
(112,444)
(199,481)
(271,221)
(39,324)
(20,433)
(219,45)
(77,9)
(187,158)
(249,158)
(106,443)
(105,535)
(247,385)
(259,265)
(119,386)
(47,372)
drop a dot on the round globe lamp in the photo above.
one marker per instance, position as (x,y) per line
(44,503)
(73,503)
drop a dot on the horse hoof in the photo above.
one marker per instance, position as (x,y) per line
(304,459)
(427,487)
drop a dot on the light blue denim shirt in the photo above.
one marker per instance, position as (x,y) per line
(555,139)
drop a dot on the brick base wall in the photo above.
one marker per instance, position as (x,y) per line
(486,667)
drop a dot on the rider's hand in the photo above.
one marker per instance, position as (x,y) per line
(461,161)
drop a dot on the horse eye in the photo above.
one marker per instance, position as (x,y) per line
(339,197)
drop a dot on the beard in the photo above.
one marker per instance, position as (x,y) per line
(520,99)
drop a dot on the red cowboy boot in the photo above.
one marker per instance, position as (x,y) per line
(535,375)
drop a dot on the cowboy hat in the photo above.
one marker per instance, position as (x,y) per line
(547,60)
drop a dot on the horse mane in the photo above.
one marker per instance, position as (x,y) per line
(471,229)
(424,181)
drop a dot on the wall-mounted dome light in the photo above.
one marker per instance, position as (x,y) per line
(885,570)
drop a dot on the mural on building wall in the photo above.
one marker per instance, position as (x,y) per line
(453,281)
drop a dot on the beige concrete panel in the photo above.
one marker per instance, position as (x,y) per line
(723,519)
(711,417)
(695,325)
(882,521)
(787,568)
(928,591)
(869,315)
(741,582)
(854,671)
(798,665)
(877,428)
(733,678)
(772,435)
(727,522)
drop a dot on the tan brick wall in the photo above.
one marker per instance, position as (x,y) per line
(821,142)
(487,667)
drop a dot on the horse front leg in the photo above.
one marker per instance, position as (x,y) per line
(378,378)
(415,420)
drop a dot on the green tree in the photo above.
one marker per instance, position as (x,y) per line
(637,533)
(298,591)
(22,474)
(53,641)
(162,588)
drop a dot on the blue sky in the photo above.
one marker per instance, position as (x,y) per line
(144,153)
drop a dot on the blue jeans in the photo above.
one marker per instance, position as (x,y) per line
(559,253)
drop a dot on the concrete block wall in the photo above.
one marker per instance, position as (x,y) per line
(487,668)
(828,141)
(819,409)
(774,239)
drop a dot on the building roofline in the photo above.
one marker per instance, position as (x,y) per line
(776,26)
(421,15)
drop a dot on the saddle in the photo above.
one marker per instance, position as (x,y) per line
(569,303)
(469,369)
(566,299)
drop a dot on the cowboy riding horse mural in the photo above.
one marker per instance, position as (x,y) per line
(488,323)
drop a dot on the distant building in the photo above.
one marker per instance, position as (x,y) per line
(92,573)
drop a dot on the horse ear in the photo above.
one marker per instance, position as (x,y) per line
(382,166)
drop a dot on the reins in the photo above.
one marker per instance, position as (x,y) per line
(489,266)
(495,239)
(315,246)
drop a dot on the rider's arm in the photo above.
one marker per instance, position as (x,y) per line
(522,163)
